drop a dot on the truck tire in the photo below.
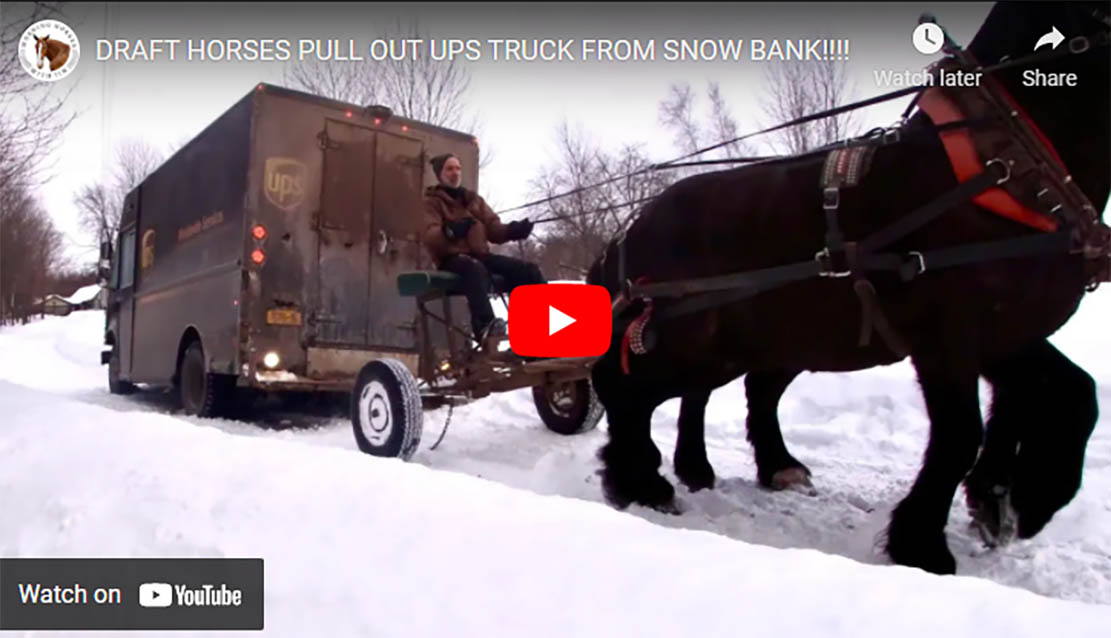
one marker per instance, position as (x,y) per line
(386,410)
(116,385)
(202,393)
(568,408)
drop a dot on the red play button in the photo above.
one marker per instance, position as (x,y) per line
(559,320)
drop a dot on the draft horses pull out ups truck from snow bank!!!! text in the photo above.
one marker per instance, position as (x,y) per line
(275,250)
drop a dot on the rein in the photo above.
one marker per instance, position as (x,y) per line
(1084,234)
(1076,45)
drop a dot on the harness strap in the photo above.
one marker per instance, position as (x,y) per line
(765,276)
(927,213)
(1027,246)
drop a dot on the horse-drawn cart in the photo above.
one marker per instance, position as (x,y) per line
(387,402)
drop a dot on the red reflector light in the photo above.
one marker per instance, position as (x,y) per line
(404,127)
(259,232)
(377,121)
(348,113)
(258,256)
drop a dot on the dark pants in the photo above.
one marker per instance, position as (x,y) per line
(475,271)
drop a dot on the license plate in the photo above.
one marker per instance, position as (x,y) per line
(280,317)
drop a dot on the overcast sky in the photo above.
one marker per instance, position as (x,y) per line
(519,103)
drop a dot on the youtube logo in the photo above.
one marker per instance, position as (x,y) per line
(559,320)
(155,595)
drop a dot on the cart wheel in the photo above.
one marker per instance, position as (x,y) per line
(385,410)
(568,408)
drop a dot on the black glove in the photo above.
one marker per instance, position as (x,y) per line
(458,229)
(518,230)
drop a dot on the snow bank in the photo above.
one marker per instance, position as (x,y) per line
(375,547)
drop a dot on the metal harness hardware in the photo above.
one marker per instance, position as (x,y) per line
(1027,155)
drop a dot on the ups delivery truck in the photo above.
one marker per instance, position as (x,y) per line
(265,252)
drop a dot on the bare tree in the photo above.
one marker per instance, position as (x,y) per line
(797,88)
(416,86)
(99,205)
(33,117)
(694,131)
(352,82)
(30,250)
(606,189)
(33,114)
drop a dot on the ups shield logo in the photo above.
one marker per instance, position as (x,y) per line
(284,182)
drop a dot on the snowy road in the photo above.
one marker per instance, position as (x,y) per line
(862,434)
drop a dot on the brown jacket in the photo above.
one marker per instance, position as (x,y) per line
(440,206)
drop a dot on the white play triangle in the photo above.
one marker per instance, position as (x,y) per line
(557,320)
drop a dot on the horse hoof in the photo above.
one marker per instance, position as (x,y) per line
(696,476)
(652,491)
(909,545)
(674,508)
(791,477)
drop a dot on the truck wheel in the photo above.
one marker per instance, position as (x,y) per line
(116,385)
(386,411)
(202,393)
(568,408)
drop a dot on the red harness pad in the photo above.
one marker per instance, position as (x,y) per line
(967,163)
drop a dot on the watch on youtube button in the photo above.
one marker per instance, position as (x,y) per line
(559,320)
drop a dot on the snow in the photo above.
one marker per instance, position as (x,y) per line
(501,530)
(83,294)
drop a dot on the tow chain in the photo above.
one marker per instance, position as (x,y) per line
(447,421)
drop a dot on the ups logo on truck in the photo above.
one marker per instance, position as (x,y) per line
(284,182)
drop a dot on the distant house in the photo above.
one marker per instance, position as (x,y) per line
(56,305)
(88,298)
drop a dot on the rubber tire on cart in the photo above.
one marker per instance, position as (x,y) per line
(568,408)
(116,385)
(386,410)
(202,393)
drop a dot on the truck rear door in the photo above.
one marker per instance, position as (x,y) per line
(347,195)
(396,222)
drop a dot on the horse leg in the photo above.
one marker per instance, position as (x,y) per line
(950,386)
(1044,409)
(630,460)
(776,468)
(691,465)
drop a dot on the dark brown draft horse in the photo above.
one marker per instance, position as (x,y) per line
(989,318)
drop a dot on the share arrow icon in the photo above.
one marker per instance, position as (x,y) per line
(1053,38)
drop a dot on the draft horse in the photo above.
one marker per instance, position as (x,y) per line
(952,290)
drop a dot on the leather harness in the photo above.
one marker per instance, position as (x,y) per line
(1023,179)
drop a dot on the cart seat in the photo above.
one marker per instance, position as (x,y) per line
(436,283)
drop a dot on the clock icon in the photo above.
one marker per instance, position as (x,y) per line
(928,38)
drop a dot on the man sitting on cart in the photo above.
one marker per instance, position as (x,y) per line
(458,228)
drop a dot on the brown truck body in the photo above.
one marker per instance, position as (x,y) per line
(335,189)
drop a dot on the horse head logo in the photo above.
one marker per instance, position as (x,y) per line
(48,50)
(56,51)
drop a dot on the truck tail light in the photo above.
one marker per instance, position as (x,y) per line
(259,232)
(258,256)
